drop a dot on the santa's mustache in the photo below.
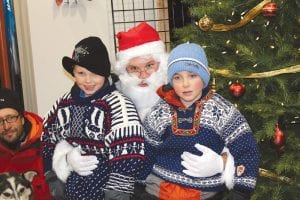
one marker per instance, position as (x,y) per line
(153,81)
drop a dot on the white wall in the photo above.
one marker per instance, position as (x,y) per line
(54,31)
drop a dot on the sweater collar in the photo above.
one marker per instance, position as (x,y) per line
(77,93)
(167,93)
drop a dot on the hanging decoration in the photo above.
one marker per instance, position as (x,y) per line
(207,24)
(273,176)
(237,89)
(59,2)
(213,85)
(278,140)
(233,74)
(270,9)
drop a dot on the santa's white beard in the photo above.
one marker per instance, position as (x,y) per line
(144,98)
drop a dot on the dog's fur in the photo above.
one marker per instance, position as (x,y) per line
(14,186)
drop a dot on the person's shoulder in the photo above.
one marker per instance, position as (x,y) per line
(220,101)
(65,95)
(161,104)
(161,108)
(28,114)
(61,100)
(120,95)
(117,97)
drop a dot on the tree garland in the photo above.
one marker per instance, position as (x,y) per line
(232,74)
(207,24)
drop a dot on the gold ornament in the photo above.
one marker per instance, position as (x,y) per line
(205,23)
(208,23)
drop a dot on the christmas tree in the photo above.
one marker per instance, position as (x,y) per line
(253,50)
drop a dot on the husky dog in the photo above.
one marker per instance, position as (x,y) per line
(15,186)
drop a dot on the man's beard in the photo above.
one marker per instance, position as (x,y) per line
(144,98)
(15,142)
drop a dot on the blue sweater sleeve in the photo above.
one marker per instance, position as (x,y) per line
(243,146)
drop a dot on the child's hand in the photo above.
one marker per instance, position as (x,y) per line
(81,164)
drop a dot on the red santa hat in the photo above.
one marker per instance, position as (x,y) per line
(141,40)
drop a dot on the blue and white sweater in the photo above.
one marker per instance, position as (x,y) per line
(171,130)
(105,124)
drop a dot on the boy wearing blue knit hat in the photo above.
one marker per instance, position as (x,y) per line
(190,126)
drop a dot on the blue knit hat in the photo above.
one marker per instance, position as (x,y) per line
(188,57)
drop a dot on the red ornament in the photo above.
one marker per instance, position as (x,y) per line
(237,89)
(270,9)
(278,140)
(58,2)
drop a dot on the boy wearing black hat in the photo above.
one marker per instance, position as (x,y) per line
(20,133)
(92,138)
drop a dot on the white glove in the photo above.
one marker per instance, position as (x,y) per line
(81,164)
(209,164)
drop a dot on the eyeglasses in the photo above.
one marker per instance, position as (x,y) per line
(9,119)
(149,69)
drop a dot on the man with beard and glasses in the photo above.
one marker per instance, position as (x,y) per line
(141,67)
(20,133)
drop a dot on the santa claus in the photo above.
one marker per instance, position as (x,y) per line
(141,66)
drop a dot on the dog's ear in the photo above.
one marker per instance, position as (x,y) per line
(29,175)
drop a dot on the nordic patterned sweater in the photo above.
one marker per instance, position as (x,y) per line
(105,124)
(211,121)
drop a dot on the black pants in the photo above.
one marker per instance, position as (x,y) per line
(141,194)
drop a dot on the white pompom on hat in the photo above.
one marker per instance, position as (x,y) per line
(141,40)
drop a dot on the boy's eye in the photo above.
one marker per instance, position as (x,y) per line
(79,72)
(176,77)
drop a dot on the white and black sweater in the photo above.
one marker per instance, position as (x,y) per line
(105,124)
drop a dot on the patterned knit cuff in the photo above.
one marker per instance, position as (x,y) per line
(119,182)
